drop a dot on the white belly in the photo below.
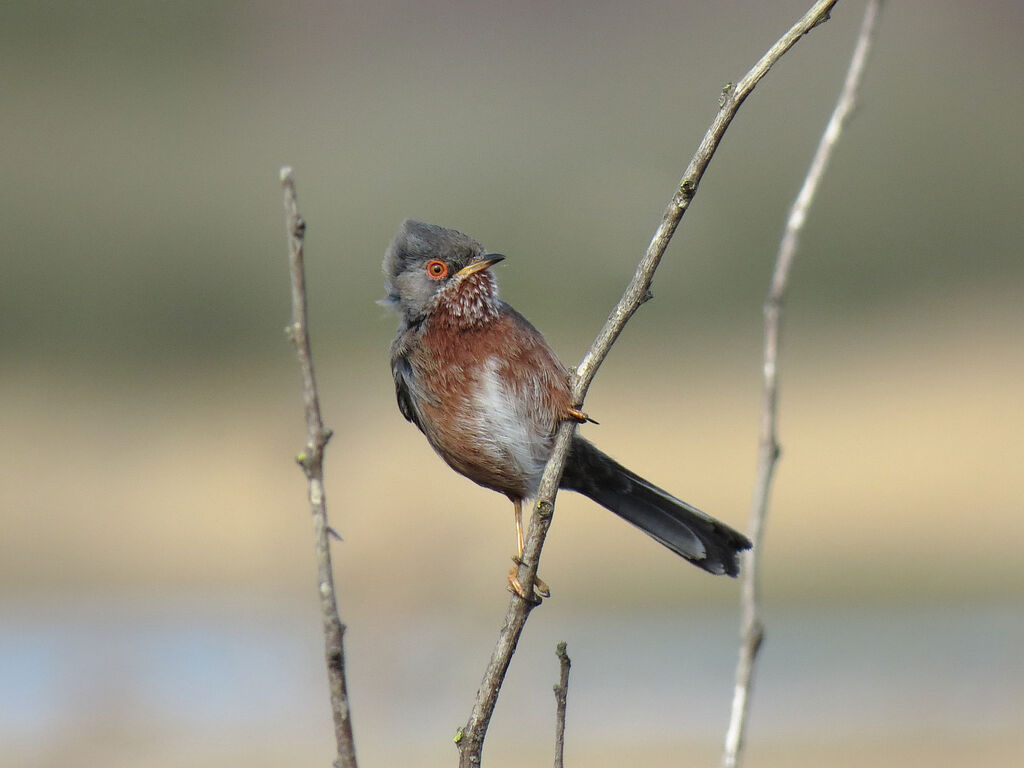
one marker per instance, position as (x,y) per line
(507,431)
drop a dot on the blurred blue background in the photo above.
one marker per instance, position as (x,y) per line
(156,576)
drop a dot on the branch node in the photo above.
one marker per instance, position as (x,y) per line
(309,462)
(774,303)
(726,95)
(756,636)
(294,333)
(545,509)
(825,16)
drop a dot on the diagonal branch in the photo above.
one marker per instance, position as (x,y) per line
(311,461)
(752,629)
(470,739)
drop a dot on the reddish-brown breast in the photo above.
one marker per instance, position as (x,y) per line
(494,392)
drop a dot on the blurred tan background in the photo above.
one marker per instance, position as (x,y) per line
(157,599)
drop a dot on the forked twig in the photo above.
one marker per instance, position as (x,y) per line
(752,628)
(311,461)
(470,739)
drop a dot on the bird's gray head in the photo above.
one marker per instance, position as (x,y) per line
(425,262)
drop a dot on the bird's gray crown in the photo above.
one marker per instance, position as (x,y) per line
(409,289)
(417,242)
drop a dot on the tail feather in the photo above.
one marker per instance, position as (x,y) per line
(690,533)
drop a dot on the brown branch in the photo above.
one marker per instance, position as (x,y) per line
(752,628)
(561,692)
(311,461)
(470,739)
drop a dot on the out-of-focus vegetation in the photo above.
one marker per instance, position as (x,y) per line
(150,405)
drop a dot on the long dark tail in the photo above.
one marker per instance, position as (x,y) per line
(704,541)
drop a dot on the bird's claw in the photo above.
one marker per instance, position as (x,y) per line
(577,415)
(540,588)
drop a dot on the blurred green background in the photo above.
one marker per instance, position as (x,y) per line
(156,573)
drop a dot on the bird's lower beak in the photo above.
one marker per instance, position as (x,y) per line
(479,266)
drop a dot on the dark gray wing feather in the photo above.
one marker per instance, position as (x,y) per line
(404,383)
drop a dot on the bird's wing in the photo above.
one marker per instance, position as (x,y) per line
(404,383)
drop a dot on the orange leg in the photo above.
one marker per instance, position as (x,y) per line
(539,587)
(518,505)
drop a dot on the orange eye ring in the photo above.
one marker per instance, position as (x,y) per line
(436,269)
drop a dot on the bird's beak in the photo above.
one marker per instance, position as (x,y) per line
(479,266)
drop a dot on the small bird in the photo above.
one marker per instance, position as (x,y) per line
(488,393)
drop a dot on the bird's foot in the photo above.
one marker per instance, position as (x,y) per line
(577,415)
(540,589)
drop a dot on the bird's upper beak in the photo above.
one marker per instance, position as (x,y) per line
(479,266)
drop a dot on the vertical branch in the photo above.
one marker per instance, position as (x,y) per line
(311,461)
(561,693)
(752,628)
(470,739)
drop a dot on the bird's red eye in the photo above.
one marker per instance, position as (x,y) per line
(437,269)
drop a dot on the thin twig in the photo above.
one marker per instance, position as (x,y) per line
(311,461)
(470,739)
(561,692)
(752,628)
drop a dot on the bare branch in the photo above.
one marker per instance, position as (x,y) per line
(752,628)
(311,461)
(470,739)
(561,692)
